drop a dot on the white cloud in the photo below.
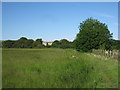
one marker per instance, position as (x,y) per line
(106,15)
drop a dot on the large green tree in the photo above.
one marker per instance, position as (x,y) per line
(92,35)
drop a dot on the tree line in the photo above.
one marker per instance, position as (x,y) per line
(64,43)
(93,34)
(23,42)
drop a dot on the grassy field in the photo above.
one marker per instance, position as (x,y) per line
(57,68)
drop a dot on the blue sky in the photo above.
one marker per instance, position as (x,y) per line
(54,21)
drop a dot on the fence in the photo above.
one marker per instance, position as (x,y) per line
(109,54)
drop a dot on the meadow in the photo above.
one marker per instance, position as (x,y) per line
(57,68)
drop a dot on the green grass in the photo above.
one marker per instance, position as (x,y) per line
(56,68)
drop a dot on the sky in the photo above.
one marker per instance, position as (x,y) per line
(54,20)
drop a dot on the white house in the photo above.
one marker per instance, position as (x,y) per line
(45,43)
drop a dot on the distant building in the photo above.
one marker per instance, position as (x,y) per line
(47,43)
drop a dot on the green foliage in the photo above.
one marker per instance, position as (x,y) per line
(8,44)
(23,43)
(0,44)
(63,43)
(37,43)
(29,43)
(92,35)
(56,44)
(115,44)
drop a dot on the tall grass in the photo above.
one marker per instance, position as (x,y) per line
(57,68)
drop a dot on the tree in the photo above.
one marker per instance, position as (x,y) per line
(0,44)
(116,44)
(56,44)
(92,35)
(37,43)
(21,43)
(64,43)
(8,44)
(30,43)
